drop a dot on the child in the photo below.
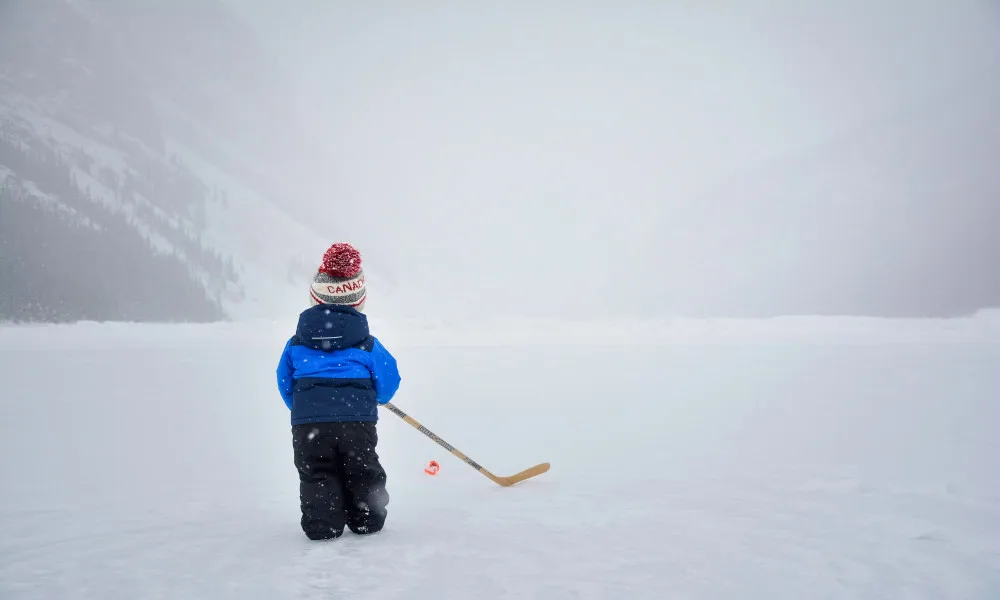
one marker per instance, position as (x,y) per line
(333,375)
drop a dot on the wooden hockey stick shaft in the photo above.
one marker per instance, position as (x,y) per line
(504,481)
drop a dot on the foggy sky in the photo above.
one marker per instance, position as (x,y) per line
(531,158)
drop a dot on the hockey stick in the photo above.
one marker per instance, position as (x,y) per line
(504,481)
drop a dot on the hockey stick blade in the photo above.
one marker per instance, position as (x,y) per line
(525,474)
(503,481)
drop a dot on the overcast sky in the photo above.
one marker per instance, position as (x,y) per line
(526,156)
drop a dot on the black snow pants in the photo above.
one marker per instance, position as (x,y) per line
(341,481)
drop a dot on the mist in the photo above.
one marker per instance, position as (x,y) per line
(615,159)
(538,160)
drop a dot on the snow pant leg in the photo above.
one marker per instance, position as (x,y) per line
(364,479)
(321,493)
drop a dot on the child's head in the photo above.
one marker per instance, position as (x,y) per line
(340,279)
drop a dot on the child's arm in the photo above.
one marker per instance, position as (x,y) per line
(385,374)
(286,381)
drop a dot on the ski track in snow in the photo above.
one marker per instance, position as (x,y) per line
(140,464)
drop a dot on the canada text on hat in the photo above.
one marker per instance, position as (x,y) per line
(340,278)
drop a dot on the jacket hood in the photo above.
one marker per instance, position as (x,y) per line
(331,327)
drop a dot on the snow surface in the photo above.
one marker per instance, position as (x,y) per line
(774,459)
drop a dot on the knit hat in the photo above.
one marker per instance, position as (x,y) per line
(340,278)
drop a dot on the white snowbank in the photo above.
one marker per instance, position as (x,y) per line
(983,327)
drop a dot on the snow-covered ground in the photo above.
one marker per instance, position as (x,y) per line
(774,459)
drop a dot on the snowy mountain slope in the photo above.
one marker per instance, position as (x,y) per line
(746,460)
(8,179)
(78,93)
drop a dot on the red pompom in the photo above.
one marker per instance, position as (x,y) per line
(341,260)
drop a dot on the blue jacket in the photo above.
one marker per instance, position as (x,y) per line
(333,369)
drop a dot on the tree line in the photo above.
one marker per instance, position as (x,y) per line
(71,258)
